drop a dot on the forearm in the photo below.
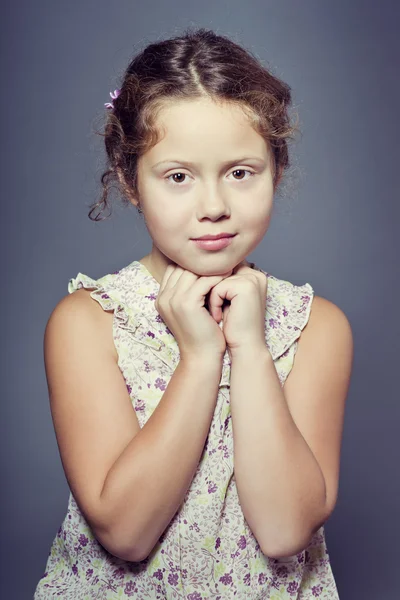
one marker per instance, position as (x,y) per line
(280,484)
(148,482)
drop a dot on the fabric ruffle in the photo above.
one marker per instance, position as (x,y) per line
(287,312)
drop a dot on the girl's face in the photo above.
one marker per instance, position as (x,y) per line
(209,174)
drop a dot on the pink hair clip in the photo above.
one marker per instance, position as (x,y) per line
(113,95)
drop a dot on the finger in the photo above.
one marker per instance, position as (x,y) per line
(219,294)
(175,277)
(206,283)
(167,274)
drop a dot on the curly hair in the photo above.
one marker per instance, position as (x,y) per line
(196,64)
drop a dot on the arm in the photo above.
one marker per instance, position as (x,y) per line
(287,443)
(128,482)
(148,482)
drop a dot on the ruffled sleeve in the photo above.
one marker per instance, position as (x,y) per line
(112,295)
(101,289)
(287,313)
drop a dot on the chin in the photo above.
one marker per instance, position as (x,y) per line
(212,271)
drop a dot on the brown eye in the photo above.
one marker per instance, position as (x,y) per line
(177,177)
(242,174)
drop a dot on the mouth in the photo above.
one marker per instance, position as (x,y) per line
(217,236)
(214,242)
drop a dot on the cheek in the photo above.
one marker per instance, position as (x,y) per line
(163,221)
(256,215)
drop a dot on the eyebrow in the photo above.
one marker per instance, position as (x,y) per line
(186,163)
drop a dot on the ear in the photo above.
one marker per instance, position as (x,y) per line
(126,189)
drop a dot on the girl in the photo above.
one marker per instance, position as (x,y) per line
(198,468)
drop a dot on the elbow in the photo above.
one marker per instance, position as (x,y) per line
(128,551)
(283,551)
(287,549)
(292,544)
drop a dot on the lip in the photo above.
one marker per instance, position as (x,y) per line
(217,236)
(214,242)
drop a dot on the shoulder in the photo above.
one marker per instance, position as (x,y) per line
(327,318)
(78,316)
(327,339)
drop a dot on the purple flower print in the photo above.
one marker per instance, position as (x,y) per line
(83,540)
(273,323)
(173,578)
(118,573)
(212,487)
(151,296)
(106,296)
(129,388)
(285,312)
(242,542)
(246,579)
(217,543)
(316,590)
(292,587)
(275,583)
(75,569)
(130,588)
(195,596)
(158,574)
(226,579)
(262,578)
(139,407)
(160,384)
(89,573)
(150,334)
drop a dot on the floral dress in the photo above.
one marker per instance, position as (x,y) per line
(208,551)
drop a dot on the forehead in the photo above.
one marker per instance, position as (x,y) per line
(202,128)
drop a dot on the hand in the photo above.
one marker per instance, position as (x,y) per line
(240,300)
(181,304)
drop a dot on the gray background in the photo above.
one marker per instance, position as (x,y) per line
(336,228)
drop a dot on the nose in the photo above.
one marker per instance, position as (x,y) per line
(212,204)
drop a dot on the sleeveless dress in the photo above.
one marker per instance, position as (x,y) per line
(207,551)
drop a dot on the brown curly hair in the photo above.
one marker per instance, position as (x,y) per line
(197,63)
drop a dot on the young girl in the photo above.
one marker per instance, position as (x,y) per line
(198,468)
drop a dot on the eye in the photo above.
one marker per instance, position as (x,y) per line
(178,177)
(241,172)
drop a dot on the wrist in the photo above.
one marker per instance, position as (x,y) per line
(202,361)
(250,353)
